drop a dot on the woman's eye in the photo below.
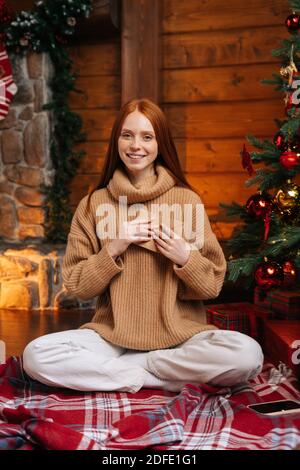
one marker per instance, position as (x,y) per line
(128,136)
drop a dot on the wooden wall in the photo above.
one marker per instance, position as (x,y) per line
(214,55)
(99,67)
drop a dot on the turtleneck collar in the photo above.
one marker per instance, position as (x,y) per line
(149,188)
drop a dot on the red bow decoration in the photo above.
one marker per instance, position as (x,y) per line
(246,161)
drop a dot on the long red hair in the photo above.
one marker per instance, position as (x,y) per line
(167,153)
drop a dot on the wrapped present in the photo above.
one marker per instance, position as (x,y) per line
(244,317)
(281,343)
(283,303)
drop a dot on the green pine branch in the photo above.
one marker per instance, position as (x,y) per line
(242,267)
(295,5)
(267,179)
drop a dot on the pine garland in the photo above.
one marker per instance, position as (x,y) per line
(45,29)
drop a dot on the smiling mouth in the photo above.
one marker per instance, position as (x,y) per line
(135,156)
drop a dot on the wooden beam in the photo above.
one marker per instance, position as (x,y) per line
(140,45)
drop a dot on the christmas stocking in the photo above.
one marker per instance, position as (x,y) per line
(8,88)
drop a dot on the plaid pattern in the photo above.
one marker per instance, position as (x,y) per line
(284,303)
(35,416)
(236,316)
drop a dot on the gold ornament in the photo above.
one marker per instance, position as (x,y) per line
(24,41)
(286,72)
(71,21)
(287,200)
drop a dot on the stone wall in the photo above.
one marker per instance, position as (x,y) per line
(30,270)
(25,151)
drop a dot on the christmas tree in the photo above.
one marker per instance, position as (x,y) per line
(265,250)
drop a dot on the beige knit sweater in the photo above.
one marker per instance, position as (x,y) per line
(145,301)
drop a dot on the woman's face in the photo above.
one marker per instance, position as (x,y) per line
(137,144)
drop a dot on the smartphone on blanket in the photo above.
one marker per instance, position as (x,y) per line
(280,407)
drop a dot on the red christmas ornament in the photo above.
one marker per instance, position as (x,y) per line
(289,159)
(268,274)
(294,146)
(289,273)
(246,161)
(293,22)
(260,206)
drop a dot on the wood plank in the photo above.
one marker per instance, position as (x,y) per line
(213,155)
(98,92)
(204,15)
(226,120)
(97,123)
(92,162)
(97,59)
(241,82)
(19,327)
(220,187)
(224,230)
(223,119)
(141,49)
(81,185)
(231,47)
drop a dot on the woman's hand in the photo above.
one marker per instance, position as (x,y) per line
(176,249)
(135,231)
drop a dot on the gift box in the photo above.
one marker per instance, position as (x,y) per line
(281,343)
(244,317)
(283,303)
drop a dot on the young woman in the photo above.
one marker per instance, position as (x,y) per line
(149,278)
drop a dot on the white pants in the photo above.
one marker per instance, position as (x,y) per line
(82,360)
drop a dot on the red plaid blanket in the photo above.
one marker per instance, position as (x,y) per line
(34,416)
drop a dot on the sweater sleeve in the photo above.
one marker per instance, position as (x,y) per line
(203,274)
(86,271)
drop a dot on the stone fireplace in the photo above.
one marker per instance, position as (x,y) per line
(30,269)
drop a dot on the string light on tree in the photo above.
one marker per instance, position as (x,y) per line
(289,273)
